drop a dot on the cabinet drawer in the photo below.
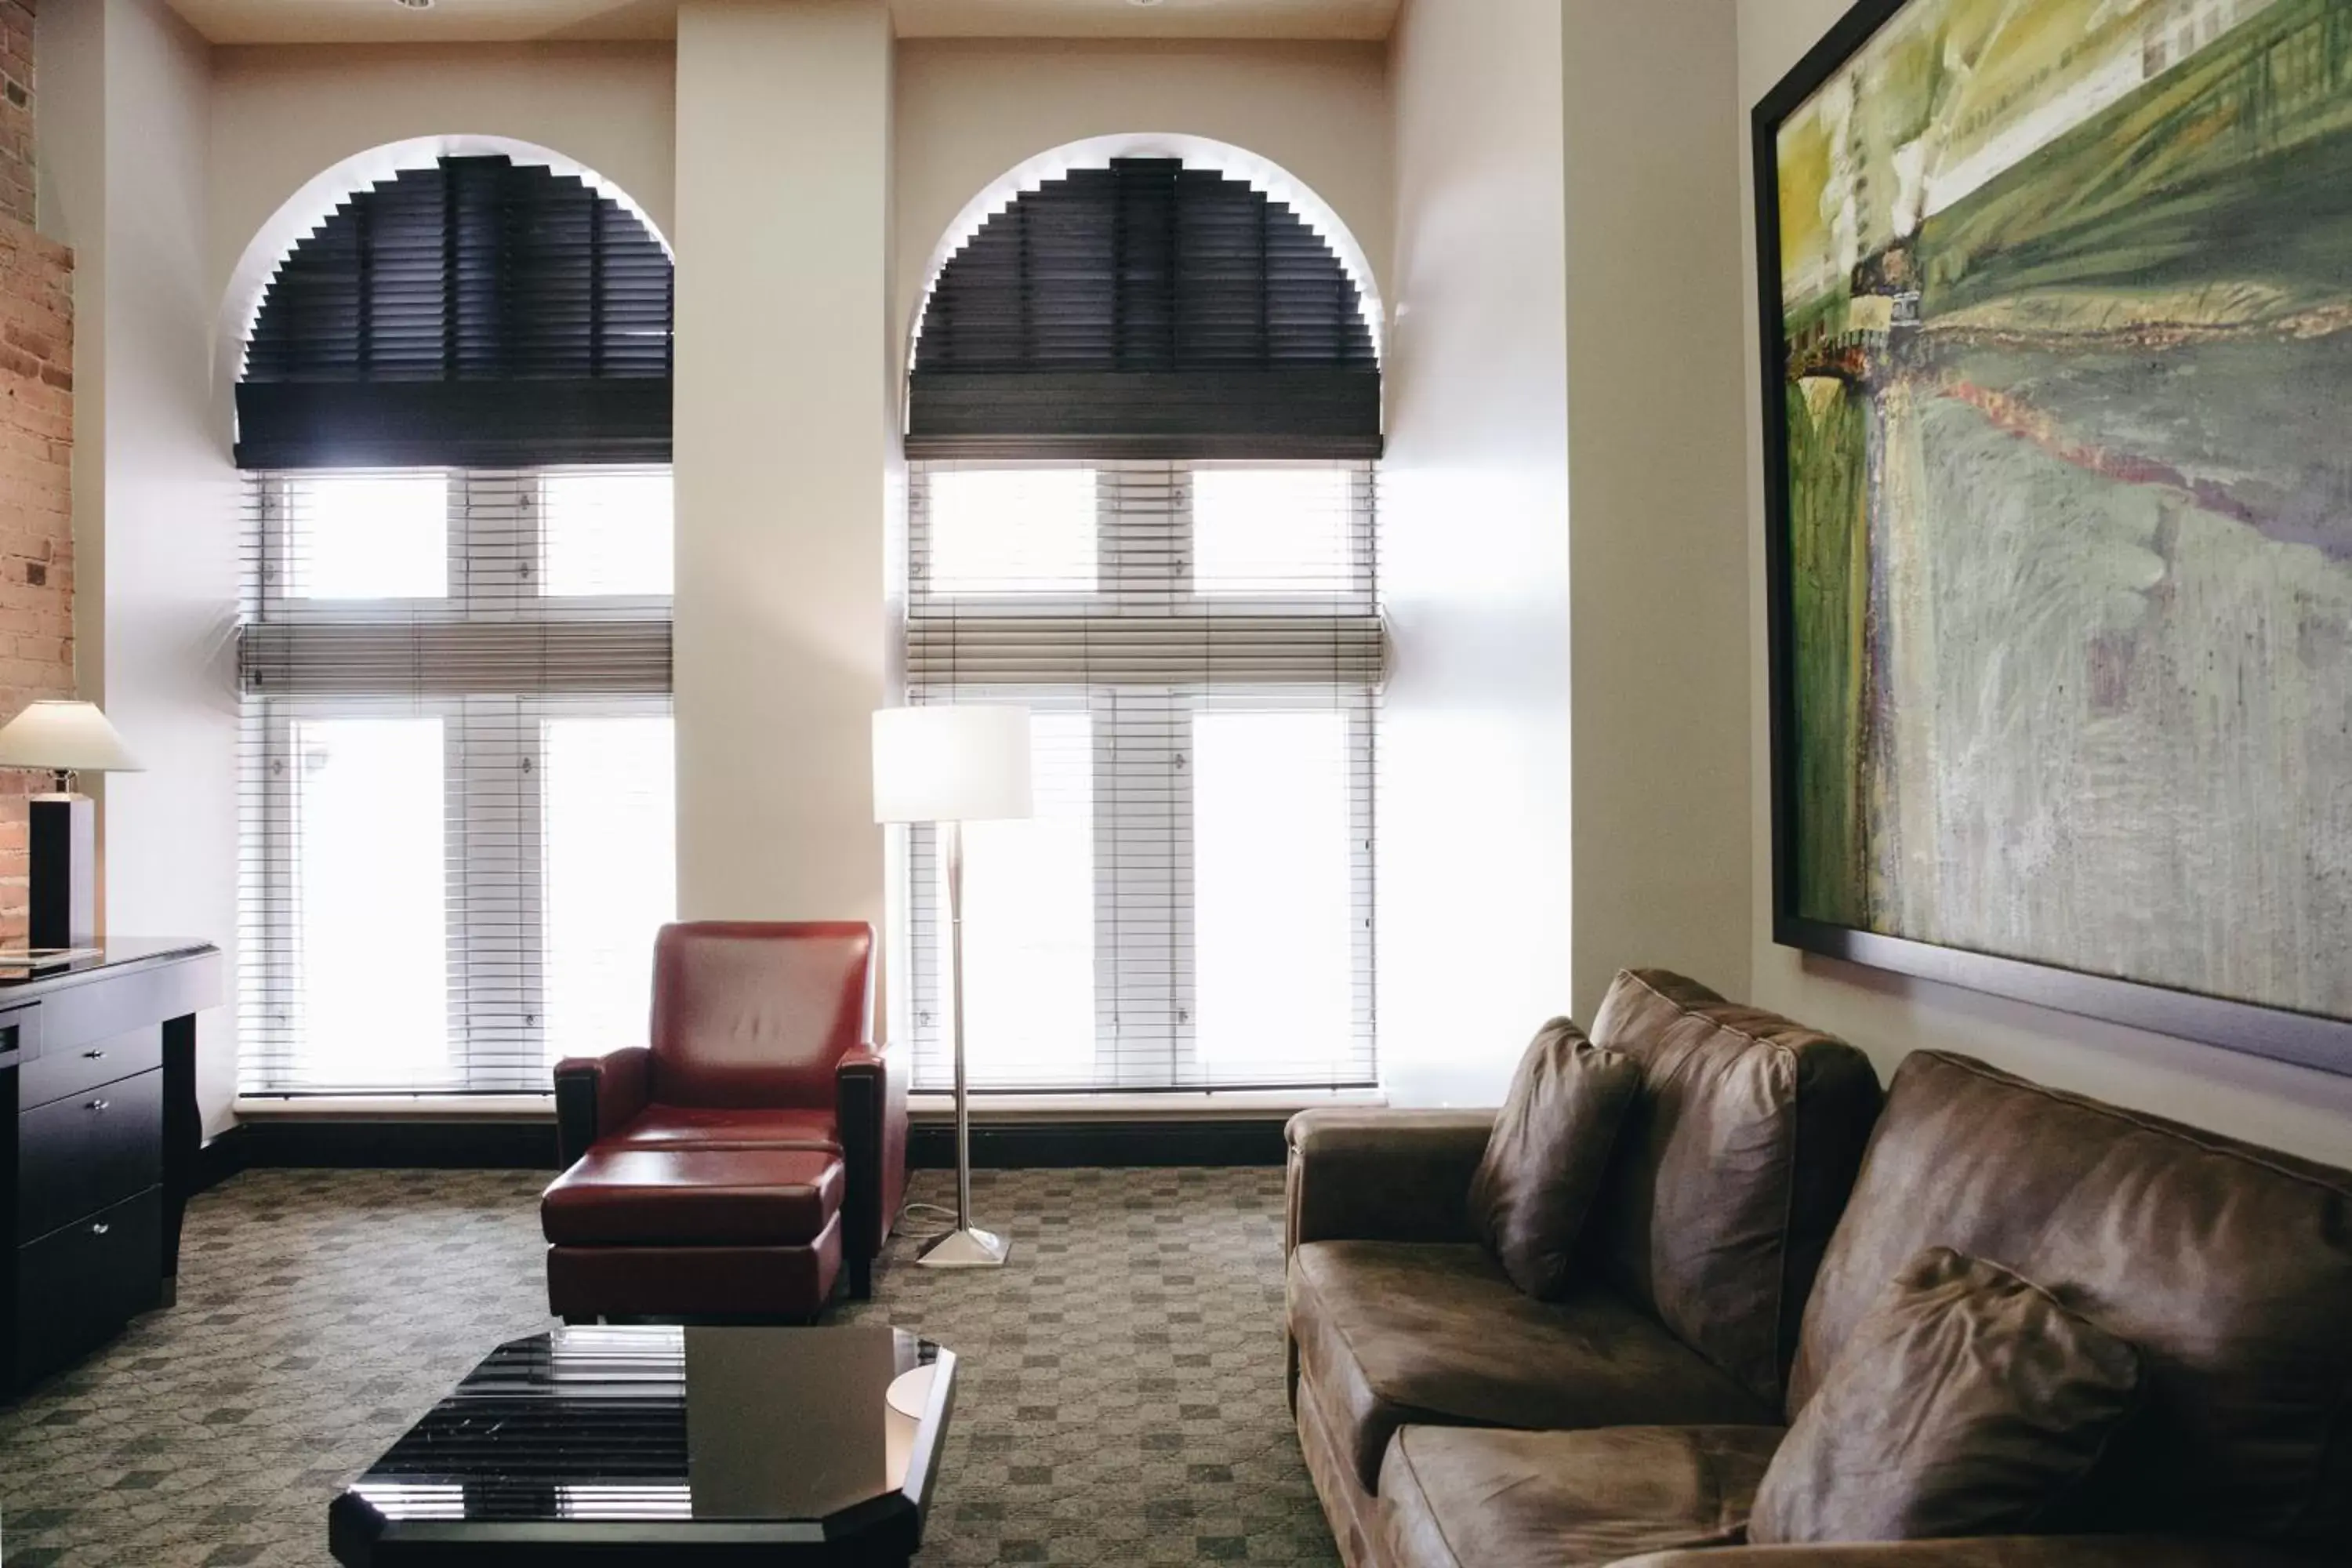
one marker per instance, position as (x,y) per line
(77,1288)
(68,1069)
(76,1156)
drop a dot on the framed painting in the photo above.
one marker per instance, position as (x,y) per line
(2056,302)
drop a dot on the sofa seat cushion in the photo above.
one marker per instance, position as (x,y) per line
(616,1195)
(1464,1497)
(1396,1332)
(729,1126)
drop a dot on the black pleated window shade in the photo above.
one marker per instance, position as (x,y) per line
(1145,309)
(475,313)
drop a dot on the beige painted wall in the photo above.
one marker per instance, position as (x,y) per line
(1657,530)
(970,109)
(154,512)
(785,419)
(2307,1112)
(1474,906)
(282,115)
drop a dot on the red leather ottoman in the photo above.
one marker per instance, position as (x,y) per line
(636,1231)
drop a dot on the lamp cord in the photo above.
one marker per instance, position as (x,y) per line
(912,1209)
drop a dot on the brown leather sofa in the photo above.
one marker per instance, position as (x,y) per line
(1449,1421)
(735,1164)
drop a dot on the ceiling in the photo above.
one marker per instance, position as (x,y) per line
(509,21)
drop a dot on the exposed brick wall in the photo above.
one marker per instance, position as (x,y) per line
(36,649)
(16,110)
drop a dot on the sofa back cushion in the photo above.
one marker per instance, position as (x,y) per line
(2226,1267)
(1545,1162)
(1967,1402)
(1731,1168)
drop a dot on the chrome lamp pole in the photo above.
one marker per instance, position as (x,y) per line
(967,1245)
(948,765)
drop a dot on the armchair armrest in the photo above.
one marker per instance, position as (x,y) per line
(1375,1174)
(1987,1552)
(594,1096)
(870,1083)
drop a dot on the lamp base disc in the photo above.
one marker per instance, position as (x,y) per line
(909,1393)
(965,1248)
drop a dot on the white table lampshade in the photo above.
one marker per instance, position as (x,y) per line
(64,737)
(950,763)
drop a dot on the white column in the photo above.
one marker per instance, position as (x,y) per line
(1657,471)
(1474,786)
(785,414)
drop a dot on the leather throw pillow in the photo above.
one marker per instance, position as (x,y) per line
(1965,1402)
(1549,1150)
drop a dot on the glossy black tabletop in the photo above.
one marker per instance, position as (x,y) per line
(731,1440)
(21,967)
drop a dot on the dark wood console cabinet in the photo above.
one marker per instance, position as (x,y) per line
(98,1135)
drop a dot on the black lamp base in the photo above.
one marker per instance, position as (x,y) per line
(62,840)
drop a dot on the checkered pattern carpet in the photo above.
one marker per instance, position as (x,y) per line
(1121,1395)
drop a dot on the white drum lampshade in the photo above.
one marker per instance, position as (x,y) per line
(950,763)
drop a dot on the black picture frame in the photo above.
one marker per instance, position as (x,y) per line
(2310,1040)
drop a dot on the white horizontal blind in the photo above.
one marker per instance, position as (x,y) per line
(456,803)
(1202,647)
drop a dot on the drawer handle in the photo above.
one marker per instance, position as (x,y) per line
(95,1105)
(100,1228)
(92,1055)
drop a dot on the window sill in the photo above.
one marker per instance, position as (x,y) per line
(1205,1105)
(395,1107)
(1178,1106)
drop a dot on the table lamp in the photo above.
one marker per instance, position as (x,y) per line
(951,766)
(63,737)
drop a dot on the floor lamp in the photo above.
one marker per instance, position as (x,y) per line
(950,765)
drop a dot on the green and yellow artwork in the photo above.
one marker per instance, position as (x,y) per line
(2065,373)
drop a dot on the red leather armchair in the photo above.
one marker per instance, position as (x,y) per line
(720,1136)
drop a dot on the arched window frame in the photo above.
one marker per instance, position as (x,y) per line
(504,614)
(1138,648)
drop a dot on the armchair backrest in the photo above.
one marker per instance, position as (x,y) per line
(757,1012)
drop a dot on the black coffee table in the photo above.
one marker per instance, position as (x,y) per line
(662,1445)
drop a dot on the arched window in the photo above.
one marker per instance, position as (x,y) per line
(457,803)
(1143,405)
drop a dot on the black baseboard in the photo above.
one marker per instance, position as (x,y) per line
(488,1145)
(1058,1146)
(223,1155)
(474,1144)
